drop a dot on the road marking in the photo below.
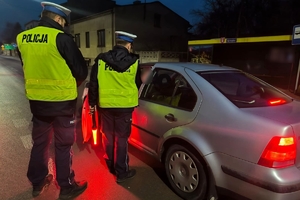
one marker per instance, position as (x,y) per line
(27,141)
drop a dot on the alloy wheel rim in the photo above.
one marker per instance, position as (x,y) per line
(183,171)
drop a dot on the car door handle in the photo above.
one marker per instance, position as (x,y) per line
(170,117)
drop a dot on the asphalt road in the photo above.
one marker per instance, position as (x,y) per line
(15,143)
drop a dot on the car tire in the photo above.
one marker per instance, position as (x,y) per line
(185,173)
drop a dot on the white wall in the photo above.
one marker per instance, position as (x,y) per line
(92,24)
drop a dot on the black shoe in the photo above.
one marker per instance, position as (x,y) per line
(73,191)
(37,190)
(130,174)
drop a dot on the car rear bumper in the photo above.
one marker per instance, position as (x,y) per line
(262,183)
(254,181)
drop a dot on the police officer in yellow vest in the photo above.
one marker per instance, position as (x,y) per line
(53,69)
(114,82)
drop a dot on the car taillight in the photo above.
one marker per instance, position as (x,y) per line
(280,152)
(275,102)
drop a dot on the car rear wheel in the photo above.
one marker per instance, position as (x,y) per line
(185,173)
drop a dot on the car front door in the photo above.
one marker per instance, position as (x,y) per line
(169,100)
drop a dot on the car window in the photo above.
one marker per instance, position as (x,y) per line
(169,88)
(245,90)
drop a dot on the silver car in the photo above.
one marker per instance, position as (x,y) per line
(219,130)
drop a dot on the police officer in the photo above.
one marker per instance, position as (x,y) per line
(53,69)
(114,82)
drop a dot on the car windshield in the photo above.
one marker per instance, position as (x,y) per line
(245,90)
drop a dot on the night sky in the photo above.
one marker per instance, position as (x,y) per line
(23,11)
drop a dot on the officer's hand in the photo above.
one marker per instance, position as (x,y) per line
(92,109)
(85,93)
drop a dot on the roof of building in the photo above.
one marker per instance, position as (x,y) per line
(86,8)
(153,2)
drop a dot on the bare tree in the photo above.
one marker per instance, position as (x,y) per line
(239,18)
(217,18)
(10,32)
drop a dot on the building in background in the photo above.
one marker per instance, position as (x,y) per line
(162,34)
(83,8)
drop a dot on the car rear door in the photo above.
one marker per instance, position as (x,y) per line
(169,100)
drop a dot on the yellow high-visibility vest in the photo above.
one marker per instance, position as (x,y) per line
(47,75)
(117,90)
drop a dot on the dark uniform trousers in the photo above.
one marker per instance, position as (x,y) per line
(116,127)
(63,128)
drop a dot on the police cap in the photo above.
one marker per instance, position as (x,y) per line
(128,37)
(57,9)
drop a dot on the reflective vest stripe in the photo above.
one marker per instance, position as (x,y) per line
(124,101)
(48,82)
(117,92)
(44,92)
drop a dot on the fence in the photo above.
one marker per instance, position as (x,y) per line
(162,56)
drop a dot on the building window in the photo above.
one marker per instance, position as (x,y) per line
(157,18)
(101,38)
(77,40)
(87,39)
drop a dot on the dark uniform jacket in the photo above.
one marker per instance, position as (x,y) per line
(120,60)
(74,59)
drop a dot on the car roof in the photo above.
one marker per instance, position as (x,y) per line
(197,67)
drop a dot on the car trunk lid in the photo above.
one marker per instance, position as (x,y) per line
(287,114)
